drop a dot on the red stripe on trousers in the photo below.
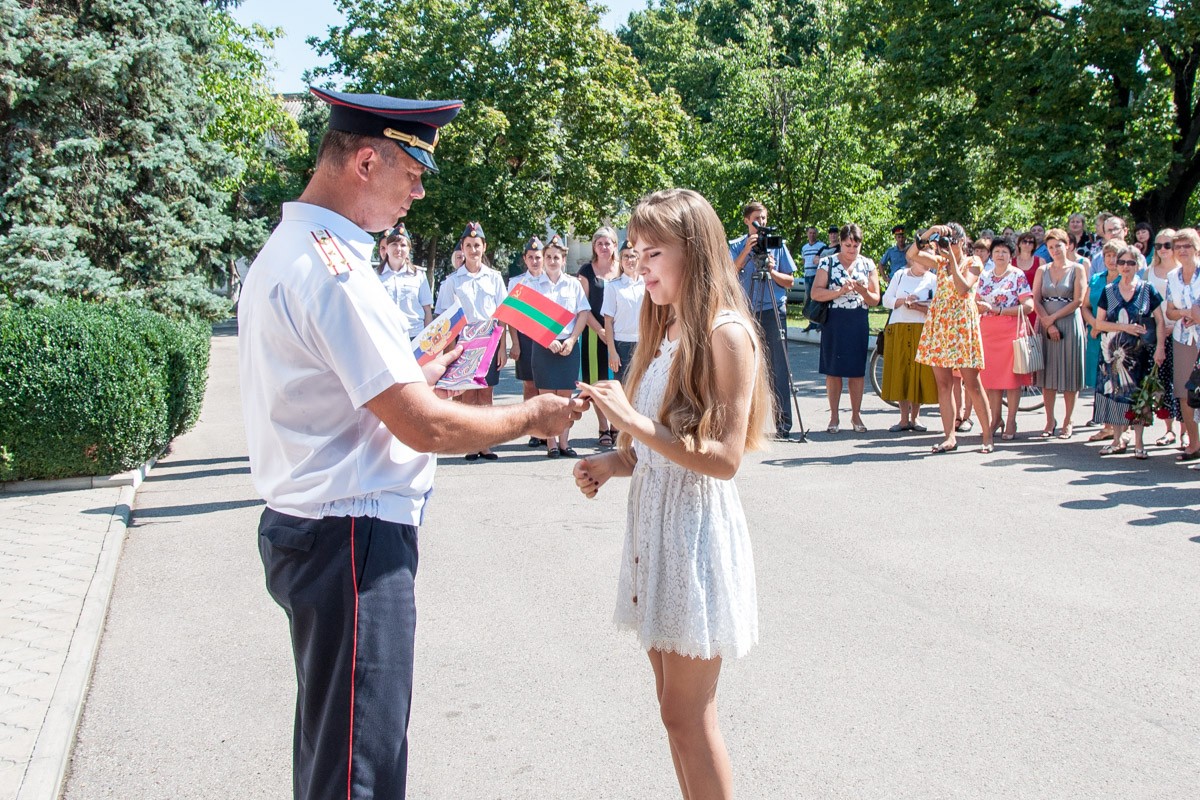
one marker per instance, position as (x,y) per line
(353,663)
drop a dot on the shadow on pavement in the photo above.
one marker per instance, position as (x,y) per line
(193,509)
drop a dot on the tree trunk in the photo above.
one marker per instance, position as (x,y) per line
(1165,206)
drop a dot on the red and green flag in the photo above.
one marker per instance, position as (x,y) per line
(533,314)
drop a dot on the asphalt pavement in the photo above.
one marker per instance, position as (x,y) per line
(1014,625)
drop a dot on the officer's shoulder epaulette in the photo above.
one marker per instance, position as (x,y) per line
(331,254)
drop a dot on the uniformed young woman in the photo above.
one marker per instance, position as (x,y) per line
(405,284)
(556,368)
(480,290)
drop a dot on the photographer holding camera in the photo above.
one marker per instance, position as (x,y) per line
(766,269)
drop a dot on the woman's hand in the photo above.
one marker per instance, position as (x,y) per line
(609,397)
(985,307)
(1160,355)
(514,352)
(593,472)
(614,358)
(567,346)
(1134,330)
(1053,333)
(556,347)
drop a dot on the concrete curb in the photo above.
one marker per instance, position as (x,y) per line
(133,477)
(814,337)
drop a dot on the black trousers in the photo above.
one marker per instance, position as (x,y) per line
(346,584)
(774,338)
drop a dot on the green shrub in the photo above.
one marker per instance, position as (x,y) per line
(89,389)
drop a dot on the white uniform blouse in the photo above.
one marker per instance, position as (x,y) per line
(313,349)
(410,292)
(623,302)
(479,294)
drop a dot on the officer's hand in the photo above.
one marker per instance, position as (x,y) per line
(435,369)
(550,414)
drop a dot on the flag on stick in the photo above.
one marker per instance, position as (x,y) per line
(433,340)
(533,314)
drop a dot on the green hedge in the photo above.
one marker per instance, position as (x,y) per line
(89,389)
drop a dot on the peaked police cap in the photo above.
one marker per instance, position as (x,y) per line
(411,124)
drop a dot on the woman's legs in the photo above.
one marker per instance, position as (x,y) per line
(907,415)
(656,662)
(856,394)
(1048,395)
(1190,427)
(528,390)
(976,396)
(688,706)
(564,438)
(1014,403)
(833,391)
(993,396)
(946,402)
(1068,411)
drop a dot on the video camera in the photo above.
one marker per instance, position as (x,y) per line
(768,239)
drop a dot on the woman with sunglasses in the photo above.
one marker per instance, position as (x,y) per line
(1131,317)
(1025,260)
(1183,307)
(1162,264)
(1058,293)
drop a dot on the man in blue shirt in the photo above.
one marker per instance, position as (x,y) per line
(896,256)
(768,301)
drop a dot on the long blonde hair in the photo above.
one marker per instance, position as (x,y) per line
(709,286)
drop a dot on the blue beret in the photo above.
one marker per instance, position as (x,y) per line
(411,124)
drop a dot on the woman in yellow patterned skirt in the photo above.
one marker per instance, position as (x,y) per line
(951,340)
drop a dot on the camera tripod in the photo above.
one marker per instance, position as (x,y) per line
(763,289)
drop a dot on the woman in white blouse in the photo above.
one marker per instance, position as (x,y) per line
(904,380)
(1183,307)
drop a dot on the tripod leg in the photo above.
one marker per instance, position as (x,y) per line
(776,343)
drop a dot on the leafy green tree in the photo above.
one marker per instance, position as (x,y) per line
(557,121)
(109,186)
(1087,103)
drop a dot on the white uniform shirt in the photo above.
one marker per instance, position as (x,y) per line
(568,293)
(479,294)
(313,349)
(623,302)
(525,279)
(410,292)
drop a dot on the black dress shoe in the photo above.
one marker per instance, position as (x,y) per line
(553,452)
(569,452)
(489,456)
(535,442)
(472,456)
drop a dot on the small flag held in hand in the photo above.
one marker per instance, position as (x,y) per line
(533,314)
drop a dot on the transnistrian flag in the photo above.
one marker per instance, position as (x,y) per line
(533,314)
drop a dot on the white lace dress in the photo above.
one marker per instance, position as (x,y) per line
(687,572)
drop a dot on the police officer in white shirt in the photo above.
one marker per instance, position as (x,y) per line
(405,284)
(341,423)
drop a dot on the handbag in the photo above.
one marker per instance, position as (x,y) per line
(1027,348)
(1193,387)
(816,311)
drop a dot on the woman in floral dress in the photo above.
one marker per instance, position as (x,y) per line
(951,339)
(1003,297)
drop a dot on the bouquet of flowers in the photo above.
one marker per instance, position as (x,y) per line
(1148,400)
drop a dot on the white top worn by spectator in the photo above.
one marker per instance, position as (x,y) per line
(568,293)
(410,292)
(314,348)
(810,252)
(623,302)
(903,284)
(1183,296)
(479,294)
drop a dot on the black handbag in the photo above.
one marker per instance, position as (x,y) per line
(1193,387)
(816,311)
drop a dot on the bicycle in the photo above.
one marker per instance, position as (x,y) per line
(1031,396)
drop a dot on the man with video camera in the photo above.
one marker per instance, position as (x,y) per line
(766,270)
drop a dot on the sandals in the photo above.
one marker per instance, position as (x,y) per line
(1140,454)
(900,427)
(1066,431)
(964,425)
(1185,457)
(607,437)
(1101,436)
(987,448)
(832,429)
(918,427)
(860,428)
(1166,440)
(1048,432)
(938,449)
(1113,449)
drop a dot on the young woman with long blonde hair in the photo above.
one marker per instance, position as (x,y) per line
(698,399)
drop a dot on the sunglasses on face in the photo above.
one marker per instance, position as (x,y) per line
(1126,262)
(1164,245)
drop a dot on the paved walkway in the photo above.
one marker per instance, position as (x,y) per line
(1019,625)
(57,553)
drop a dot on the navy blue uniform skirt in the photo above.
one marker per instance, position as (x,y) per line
(844,343)
(525,362)
(346,584)
(555,372)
